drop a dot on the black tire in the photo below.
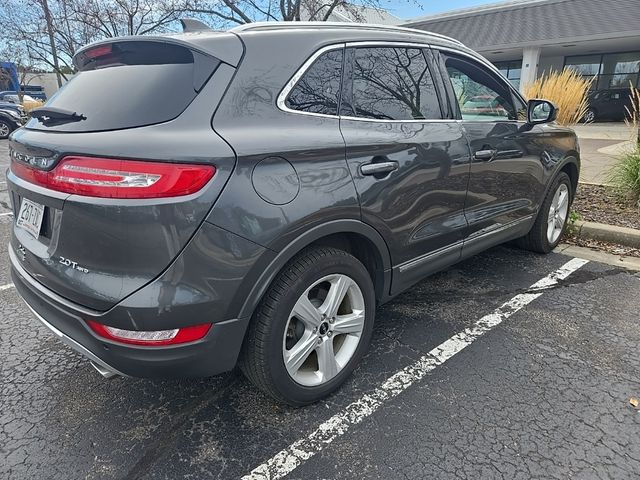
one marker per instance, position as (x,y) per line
(536,240)
(262,359)
(5,127)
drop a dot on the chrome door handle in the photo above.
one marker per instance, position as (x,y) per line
(485,155)
(378,168)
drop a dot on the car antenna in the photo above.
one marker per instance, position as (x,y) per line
(190,25)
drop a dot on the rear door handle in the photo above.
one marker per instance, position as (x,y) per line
(485,155)
(378,168)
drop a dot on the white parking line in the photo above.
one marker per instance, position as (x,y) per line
(298,452)
(6,287)
(6,214)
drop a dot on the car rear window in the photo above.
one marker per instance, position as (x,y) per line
(129,84)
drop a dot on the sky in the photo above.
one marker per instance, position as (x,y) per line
(416,8)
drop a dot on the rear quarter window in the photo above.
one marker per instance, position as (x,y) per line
(318,91)
(130,84)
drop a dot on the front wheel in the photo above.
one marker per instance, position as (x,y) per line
(312,327)
(552,217)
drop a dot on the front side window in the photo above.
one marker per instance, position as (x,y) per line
(480,95)
(393,84)
(318,91)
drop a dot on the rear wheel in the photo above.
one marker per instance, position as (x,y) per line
(552,218)
(5,129)
(311,328)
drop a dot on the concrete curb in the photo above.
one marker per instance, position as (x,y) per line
(630,263)
(629,237)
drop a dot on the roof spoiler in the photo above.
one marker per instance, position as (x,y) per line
(190,25)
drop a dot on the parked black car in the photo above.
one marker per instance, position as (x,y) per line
(294,177)
(35,91)
(12,116)
(608,105)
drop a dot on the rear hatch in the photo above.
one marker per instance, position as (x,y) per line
(114,176)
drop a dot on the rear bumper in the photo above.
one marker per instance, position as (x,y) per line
(214,354)
(105,370)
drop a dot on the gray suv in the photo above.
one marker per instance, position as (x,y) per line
(191,202)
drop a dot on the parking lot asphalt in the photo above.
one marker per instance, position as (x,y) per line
(544,394)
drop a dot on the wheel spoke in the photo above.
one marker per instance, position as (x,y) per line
(295,357)
(563,201)
(327,363)
(350,323)
(304,311)
(335,296)
(551,225)
(562,216)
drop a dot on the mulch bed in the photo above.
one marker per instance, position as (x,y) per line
(598,203)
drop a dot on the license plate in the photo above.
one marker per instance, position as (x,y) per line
(30,217)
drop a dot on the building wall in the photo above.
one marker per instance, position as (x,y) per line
(543,33)
(48,81)
(525,23)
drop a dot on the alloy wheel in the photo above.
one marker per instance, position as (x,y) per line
(323,330)
(4,130)
(590,116)
(558,212)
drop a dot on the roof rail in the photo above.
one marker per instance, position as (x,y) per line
(190,25)
(292,25)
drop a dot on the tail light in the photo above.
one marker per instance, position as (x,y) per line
(151,338)
(113,178)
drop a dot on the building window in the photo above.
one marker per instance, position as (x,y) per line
(511,70)
(609,71)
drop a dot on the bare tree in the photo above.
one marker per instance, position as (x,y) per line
(229,12)
(52,31)
(26,71)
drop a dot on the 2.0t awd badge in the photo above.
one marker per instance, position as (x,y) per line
(72,264)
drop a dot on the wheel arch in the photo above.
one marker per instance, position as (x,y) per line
(354,236)
(571,168)
(570,164)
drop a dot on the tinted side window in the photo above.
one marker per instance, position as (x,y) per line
(480,95)
(318,91)
(393,84)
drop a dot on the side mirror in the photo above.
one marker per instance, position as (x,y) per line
(541,111)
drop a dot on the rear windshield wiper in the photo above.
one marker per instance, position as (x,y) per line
(50,116)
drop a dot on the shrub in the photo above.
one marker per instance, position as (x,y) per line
(632,118)
(625,175)
(567,90)
(574,217)
(31,104)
